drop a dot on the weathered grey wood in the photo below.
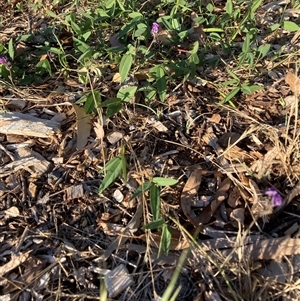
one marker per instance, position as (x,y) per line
(26,159)
(16,123)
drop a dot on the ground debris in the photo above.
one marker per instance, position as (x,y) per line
(15,123)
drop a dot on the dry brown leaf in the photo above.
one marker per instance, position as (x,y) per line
(215,118)
(294,82)
(83,123)
(276,270)
(111,228)
(272,248)
(238,215)
(132,227)
(116,78)
(205,216)
(188,195)
(261,166)
(164,36)
(21,47)
(98,128)
(234,196)
(72,83)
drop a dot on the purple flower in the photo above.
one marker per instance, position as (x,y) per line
(275,197)
(155,28)
(3,60)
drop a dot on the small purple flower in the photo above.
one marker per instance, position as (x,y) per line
(155,28)
(3,60)
(275,197)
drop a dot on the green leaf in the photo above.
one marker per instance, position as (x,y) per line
(233,75)
(263,50)
(165,22)
(126,94)
(11,50)
(141,189)
(175,24)
(43,67)
(193,58)
(89,53)
(274,27)
(246,44)
(113,109)
(110,6)
(213,29)
(290,26)
(155,201)
(110,102)
(93,100)
(255,5)
(55,50)
(125,65)
(134,15)
(86,35)
(113,168)
(154,225)
(164,181)
(161,83)
(76,28)
(165,241)
(121,5)
(150,95)
(231,95)
(82,99)
(141,29)
(80,45)
(195,48)
(249,89)
(229,7)
(51,14)
(210,7)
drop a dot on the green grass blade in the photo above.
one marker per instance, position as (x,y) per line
(231,95)
(154,225)
(113,169)
(164,181)
(169,291)
(155,201)
(165,241)
(141,189)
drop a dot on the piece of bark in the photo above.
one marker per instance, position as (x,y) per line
(16,260)
(15,123)
(26,159)
(74,192)
(117,280)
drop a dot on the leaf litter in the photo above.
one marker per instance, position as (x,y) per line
(53,219)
